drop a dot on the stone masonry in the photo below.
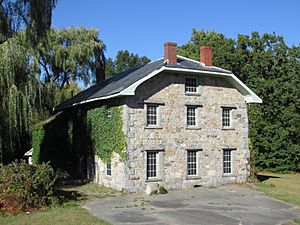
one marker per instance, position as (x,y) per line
(172,138)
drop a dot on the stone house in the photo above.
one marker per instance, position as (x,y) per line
(185,123)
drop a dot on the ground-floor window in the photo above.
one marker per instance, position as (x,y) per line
(227,161)
(152,158)
(108,169)
(192,162)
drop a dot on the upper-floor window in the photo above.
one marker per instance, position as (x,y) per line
(191,115)
(226,117)
(152,115)
(191,85)
(192,162)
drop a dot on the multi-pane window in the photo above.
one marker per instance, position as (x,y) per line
(152,164)
(108,169)
(152,115)
(191,116)
(191,84)
(226,117)
(227,161)
(191,163)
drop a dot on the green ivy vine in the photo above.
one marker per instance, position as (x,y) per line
(106,131)
(38,135)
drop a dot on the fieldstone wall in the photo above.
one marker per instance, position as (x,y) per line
(172,138)
(117,178)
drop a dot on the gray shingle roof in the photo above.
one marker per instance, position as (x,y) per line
(119,82)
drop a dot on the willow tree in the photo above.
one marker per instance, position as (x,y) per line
(66,57)
(19,86)
(33,15)
(19,91)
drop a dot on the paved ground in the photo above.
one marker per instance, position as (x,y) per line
(224,205)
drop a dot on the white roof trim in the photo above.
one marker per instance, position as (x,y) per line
(29,153)
(250,96)
(96,99)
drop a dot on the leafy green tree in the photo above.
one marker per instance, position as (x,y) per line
(124,61)
(271,69)
(72,54)
(33,15)
(19,94)
(19,85)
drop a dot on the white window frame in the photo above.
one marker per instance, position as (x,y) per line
(106,169)
(196,115)
(156,115)
(197,163)
(156,153)
(230,118)
(186,87)
(231,161)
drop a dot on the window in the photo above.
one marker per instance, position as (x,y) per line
(191,85)
(152,115)
(109,113)
(227,161)
(226,117)
(191,162)
(152,164)
(108,169)
(191,115)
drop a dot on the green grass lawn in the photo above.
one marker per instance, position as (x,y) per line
(297,221)
(70,213)
(285,187)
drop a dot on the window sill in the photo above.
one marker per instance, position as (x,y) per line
(108,177)
(192,128)
(153,127)
(228,175)
(153,180)
(229,128)
(193,178)
(192,93)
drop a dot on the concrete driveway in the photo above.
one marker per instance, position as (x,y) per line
(229,204)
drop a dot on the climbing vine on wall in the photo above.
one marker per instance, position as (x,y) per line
(38,134)
(105,125)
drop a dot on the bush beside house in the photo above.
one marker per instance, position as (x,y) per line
(25,187)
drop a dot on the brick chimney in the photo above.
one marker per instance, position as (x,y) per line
(206,55)
(170,52)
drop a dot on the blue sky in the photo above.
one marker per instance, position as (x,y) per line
(143,26)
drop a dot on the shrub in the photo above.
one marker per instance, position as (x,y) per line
(25,187)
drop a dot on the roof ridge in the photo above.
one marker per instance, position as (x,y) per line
(202,64)
(153,61)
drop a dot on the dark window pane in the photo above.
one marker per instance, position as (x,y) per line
(151,164)
(191,84)
(191,163)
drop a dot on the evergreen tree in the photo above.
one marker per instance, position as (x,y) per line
(124,61)
(272,70)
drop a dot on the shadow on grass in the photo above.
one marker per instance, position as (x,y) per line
(263,177)
(64,195)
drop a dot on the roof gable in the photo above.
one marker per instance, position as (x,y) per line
(125,83)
